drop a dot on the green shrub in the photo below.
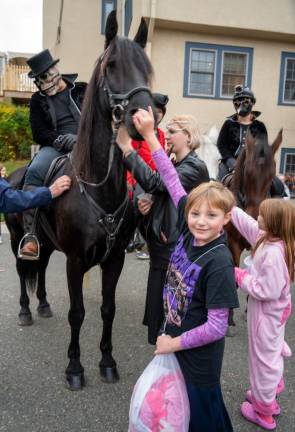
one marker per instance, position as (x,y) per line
(15,132)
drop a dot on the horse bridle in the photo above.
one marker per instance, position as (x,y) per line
(119,102)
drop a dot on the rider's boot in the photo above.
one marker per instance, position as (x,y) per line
(30,249)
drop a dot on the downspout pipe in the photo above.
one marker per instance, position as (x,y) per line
(151,27)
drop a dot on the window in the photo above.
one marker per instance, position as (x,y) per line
(287,167)
(213,71)
(128,17)
(233,72)
(287,79)
(202,72)
(107,7)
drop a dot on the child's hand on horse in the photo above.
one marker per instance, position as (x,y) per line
(144,122)
(166,344)
(60,185)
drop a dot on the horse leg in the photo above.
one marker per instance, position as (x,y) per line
(44,309)
(236,253)
(111,271)
(25,315)
(75,371)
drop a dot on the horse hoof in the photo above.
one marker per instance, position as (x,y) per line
(75,382)
(25,319)
(109,375)
(44,311)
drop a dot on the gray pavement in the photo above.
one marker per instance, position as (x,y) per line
(32,360)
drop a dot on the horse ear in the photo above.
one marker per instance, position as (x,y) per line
(277,142)
(142,34)
(111,29)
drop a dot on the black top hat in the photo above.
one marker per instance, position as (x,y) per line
(40,62)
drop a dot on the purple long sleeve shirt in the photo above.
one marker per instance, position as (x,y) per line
(217,320)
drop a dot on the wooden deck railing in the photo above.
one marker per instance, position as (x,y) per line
(15,78)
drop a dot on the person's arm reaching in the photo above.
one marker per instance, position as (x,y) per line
(17,200)
(144,123)
(245,224)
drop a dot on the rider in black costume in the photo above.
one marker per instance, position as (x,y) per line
(232,135)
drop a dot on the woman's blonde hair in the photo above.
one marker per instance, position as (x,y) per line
(217,196)
(279,221)
(189,125)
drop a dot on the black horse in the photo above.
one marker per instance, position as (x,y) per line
(92,222)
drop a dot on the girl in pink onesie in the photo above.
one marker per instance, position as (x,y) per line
(267,282)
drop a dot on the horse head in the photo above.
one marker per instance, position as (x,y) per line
(119,86)
(124,74)
(255,170)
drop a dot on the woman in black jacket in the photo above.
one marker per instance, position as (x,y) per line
(159,224)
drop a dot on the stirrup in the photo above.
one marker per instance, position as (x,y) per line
(21,244)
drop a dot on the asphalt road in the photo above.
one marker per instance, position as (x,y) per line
(32,359)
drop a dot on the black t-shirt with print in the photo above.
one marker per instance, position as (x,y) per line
(191,289)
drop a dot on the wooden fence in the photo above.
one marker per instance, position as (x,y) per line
(15,78)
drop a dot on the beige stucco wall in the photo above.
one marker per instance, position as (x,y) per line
(81,39)
(168,61)
(262,15)
(171,24)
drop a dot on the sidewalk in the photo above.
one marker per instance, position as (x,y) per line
(4,229)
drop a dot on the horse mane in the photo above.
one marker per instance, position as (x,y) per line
(239,173)
(252,163)
(95,124)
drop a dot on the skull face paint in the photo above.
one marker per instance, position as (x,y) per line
(48,81)
(243,107)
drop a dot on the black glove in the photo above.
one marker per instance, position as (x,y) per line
(230,163)
(65,142)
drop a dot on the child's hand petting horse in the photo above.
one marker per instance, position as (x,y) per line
(144,122)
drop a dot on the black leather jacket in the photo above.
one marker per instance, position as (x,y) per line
(42,115)
(230,137)
(163,215)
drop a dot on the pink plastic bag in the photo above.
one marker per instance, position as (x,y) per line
(159,402)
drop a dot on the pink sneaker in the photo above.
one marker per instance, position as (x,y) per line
(253,417)
(277,409)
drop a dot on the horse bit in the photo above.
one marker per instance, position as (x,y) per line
(118,103)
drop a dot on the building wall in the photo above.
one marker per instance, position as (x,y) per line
(210,21)
(81,41)
(168,61)
(264,15)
